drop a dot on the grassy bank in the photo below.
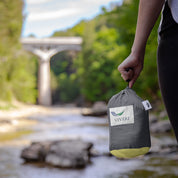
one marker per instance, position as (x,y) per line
(13,135)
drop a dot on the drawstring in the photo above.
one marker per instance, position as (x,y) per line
(128,80)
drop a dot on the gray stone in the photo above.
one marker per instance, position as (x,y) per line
(161,127)
(163,114)
(62,153)
(155,145)
(171,148)
(36,152)
(69,154)
(153,119)
(163,145)
(98,109)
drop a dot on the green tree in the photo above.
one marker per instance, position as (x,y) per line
(17,76)
(65,87)
(107,41)
(97,65)
(124,19)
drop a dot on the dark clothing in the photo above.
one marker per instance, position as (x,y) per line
(168,66)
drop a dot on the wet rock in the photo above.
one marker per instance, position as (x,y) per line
(69,154)
(36,152)
(153,119)
(161,127)
(163,150)
(171,148)
(98,109)
(163,145)
(62,153)
(163,114)
(155,145)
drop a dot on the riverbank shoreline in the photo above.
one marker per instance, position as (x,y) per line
(22,110)
(15,121)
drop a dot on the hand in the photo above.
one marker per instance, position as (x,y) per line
(133,62)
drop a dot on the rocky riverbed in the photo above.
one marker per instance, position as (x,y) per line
(67,123)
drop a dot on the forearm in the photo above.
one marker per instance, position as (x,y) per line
(148,13)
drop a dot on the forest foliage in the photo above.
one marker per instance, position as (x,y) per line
(17,68)
(107,42)
(92,73)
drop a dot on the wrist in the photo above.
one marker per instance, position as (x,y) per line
(139,53)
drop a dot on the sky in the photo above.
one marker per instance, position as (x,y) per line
(43,17)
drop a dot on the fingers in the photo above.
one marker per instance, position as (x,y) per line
(135,76)
(135,65)
(131,75)
(126,75)
(131,83)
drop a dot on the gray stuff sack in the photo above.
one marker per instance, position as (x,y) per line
(129,134)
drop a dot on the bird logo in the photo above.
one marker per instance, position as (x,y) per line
(117,114)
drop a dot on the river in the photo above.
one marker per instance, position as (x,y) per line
(73,125)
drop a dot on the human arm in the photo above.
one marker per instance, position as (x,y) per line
(148,13)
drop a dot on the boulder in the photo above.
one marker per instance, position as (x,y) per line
(61,153)
(163,114)
(170,148)
(161,127)
(36,152)
(162,146)
(98,109)
(69,154)
(155,145)
(153,119)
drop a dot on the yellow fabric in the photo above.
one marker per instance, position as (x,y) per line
(130,152)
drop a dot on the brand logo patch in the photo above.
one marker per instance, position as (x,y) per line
(121,115)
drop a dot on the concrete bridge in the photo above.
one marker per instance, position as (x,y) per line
(45,48)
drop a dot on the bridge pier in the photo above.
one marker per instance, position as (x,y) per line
(44,89)
(45,48)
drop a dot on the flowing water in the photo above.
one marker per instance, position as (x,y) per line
(67,126)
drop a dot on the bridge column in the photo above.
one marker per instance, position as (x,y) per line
(44,89)
(45,48)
